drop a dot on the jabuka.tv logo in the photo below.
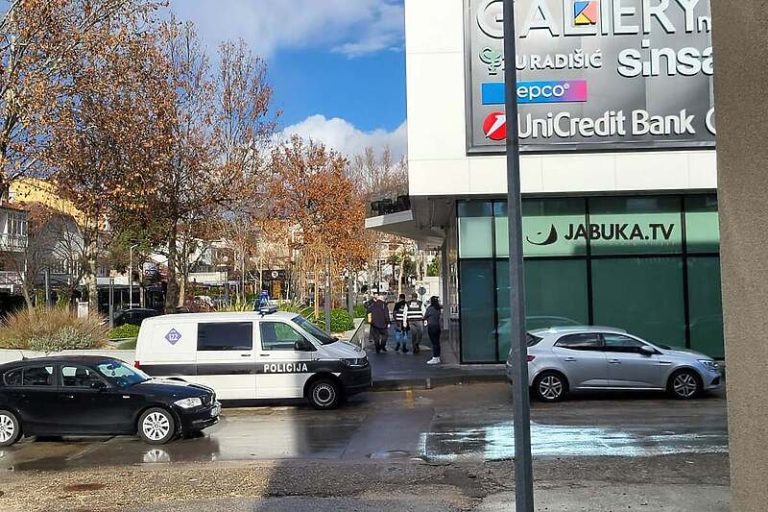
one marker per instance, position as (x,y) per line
(605,232)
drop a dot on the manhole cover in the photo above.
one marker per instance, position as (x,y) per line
(84,487)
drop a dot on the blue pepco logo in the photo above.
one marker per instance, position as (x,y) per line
(173,336)
(558,91)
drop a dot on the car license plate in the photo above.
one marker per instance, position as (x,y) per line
(216,410)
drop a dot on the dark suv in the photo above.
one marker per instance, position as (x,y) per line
(91,395)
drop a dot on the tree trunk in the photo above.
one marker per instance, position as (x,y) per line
(317,294)
(172,293)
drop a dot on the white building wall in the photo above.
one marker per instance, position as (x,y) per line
(439,165)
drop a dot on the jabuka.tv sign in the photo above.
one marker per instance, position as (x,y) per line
(614,232)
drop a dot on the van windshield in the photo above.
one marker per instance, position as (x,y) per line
(314,331)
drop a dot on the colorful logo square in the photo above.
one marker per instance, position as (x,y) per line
(586,13)
(173,336)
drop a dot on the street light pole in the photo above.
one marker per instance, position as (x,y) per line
(130,275)
(520,397)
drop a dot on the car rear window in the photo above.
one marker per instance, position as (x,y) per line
(533,340)
(29,376)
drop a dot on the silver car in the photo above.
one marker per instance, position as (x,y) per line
(563,359)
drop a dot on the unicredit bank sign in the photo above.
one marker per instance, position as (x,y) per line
(593,74)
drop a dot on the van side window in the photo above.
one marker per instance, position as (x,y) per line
(225,336)
(278,336)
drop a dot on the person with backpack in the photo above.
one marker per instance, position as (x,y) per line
(401,324)
(433,319)
(414,314)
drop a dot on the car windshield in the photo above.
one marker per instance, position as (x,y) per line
(121,374)
(314,331)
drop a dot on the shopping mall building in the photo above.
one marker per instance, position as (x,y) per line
(618,166)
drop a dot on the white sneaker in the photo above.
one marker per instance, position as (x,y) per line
(434,360)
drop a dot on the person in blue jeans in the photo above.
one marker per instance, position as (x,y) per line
(433,320)
(401,324)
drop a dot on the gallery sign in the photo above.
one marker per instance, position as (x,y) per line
(593,74)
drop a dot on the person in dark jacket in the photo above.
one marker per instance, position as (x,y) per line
(380,320)
(401,324)
(432,317)
(415,317)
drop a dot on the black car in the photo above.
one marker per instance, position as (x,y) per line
(134,316)
(91,395)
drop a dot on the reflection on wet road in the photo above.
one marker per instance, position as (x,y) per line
(447,424)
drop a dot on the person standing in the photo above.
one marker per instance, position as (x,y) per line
(379,320)
(401,324)
(432,317)
(415,318)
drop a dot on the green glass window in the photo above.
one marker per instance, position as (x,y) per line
(475,229)
(556,293)
(634,225)
(705,305)
(702,228)
(478,311)
(546,224)
(642,295)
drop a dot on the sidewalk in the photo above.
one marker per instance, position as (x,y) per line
(395,371)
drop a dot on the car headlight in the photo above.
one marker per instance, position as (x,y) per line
(709,363)
(188,403)
(356,363)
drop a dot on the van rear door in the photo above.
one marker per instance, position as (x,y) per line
(226,358)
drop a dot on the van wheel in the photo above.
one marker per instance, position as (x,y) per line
(156,426)
(324,394)
(10,429)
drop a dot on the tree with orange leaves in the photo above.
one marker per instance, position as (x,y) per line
(311,188)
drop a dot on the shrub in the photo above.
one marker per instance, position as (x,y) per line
(124,331)
(52,330)
(341,321)
(360,311)
(291,307)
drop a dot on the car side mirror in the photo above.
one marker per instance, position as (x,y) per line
(303,346)
(647,351)
(98,385)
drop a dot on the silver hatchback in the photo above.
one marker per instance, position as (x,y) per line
(563,359)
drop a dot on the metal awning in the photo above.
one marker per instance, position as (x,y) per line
(424,223)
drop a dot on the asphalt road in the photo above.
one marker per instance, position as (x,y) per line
(444,449)
(469,423)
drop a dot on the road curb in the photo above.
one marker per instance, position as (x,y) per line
(434,382)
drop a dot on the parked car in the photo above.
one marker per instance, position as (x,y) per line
(254,356)
(91,395)
(564,359)
(134,316)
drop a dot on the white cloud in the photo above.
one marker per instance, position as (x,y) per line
(345,138)
(350,27)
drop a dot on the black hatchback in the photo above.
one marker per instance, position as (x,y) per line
(91,395)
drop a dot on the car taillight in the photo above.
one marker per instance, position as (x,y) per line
(530,358)
(137,364)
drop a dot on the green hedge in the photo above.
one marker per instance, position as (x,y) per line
(360,311)
(341,321)
(124,331)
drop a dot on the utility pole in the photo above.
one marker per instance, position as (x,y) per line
(47,288)
(520,397)
(111,302)
(130,275)
(328,294)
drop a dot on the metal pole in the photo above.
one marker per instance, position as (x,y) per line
(350,294)
(520,397)
(328,295)
(47,274)
(130,276)
(111,303)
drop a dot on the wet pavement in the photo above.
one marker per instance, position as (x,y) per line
(445,425)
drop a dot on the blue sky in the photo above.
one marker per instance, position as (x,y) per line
(337,66)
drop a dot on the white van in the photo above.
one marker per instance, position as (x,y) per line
(246,356)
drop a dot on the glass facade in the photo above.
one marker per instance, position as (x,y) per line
(647,264)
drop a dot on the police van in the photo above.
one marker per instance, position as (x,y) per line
(252,355)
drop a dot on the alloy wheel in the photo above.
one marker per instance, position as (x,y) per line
(7,428)
(685,385)
(156,426)
(551,387)
(324,394)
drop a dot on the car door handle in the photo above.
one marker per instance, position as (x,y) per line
(264,355)
(570,359)
(245,355)
(664,363)
(70,397)
(614,361)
